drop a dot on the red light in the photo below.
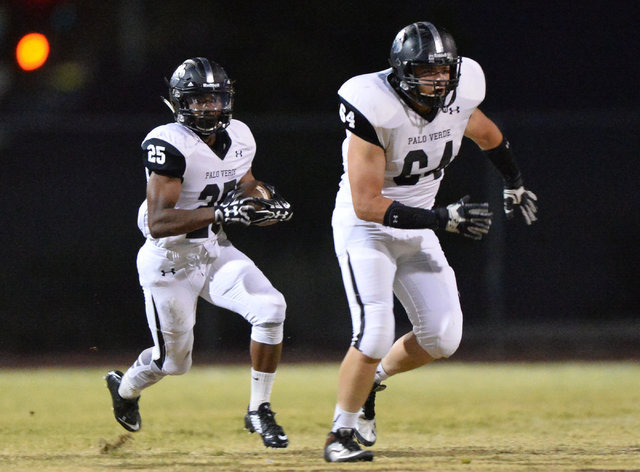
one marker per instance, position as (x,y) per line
(32,51)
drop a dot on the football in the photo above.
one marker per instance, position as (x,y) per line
(255,188)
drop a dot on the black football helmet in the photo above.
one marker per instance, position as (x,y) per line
(201,96)
(421,45)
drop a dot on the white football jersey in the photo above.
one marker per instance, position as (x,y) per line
(416,150)
(207,174)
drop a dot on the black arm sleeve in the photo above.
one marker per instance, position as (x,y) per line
(505,162)
(406,217)
(162,158)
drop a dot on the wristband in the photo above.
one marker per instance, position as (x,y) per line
(406,217)
(504,160)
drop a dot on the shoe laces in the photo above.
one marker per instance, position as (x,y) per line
(268,421)
(345,437)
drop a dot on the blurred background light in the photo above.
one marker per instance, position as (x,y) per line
(32,51)
(69,76)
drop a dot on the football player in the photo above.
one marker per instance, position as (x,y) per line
(194,166)
(404,125)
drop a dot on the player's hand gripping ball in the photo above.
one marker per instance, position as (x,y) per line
(270,207)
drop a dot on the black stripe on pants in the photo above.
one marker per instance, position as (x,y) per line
(358,339)
(163,349)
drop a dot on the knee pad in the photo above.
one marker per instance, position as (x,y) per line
(177,353)
(440,344)
(271,309)
(446,348)
(267,333)
(176,367)
(267,318)
(375,338)
(375,346)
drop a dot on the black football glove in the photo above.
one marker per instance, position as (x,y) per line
(272,210)
(234,210)
(472,220)
(522,198)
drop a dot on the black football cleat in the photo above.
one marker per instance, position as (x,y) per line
(262,421)
(126,411)
(366,432)
(342,447)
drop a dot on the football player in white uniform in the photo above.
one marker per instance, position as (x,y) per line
(404,125)
(193,169)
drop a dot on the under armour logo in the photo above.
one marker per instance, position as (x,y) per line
(239,153)
(451,110)
(164,272)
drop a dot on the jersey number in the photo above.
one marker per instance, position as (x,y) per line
(406,177)
(349,118)
(155,154)
(211,194)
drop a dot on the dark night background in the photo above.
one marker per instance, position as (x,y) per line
(562,82)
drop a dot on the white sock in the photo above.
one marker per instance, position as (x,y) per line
(381,375)
(261,385)
(344,419)
(142,374)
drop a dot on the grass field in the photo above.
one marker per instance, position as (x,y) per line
(446,417)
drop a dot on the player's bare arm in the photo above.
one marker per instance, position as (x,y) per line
(486,134)
(366,176)
(164,219)
(248,177)
(482,131)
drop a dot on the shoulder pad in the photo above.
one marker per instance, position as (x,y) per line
(240,133)
(472,85)
(372,96)
(180,137)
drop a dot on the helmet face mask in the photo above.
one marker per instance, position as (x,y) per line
(204,112)
(201,96)
(426,65)
(431,84)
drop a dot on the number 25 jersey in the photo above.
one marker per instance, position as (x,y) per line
(207,174)
(416,150)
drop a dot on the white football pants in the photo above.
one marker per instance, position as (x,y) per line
(172,281)
(377,262)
